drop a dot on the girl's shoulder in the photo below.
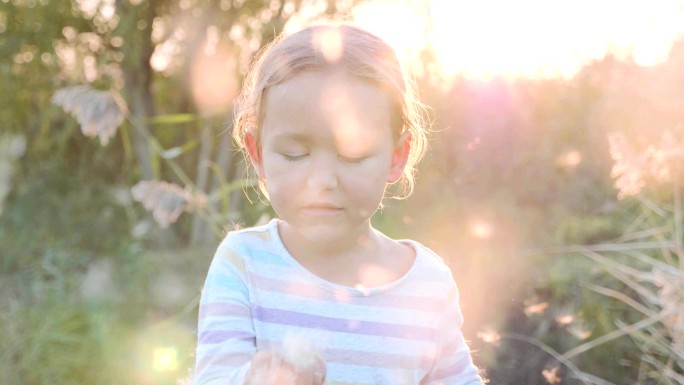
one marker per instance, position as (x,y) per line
(428,261)
(258,233)
(250,241)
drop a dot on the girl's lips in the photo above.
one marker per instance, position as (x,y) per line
(323,210)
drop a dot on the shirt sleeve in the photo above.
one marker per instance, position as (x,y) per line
(226,337)
(453,364)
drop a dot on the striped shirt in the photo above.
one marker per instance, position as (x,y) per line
(256,294)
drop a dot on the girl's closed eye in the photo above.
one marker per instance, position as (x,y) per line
(353,159)
(291,157)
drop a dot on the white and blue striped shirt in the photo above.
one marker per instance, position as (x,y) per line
(256,294)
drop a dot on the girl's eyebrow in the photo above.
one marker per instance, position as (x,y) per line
(292,137)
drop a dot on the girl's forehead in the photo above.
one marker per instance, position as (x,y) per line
(322,81)
(331,92)
(326,94)
(323,103)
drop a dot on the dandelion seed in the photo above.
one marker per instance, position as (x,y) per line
(100,113)
(565,319)
(579,332)
(166,201)
(489,336)
(537,308)
(298,351)
(551,375)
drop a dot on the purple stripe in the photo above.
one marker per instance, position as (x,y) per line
(285,317)
(214,309)
(292,288)
(218,336)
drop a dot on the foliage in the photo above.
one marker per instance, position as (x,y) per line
(91,285)
(614,317)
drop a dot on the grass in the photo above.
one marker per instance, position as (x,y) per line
(77,308)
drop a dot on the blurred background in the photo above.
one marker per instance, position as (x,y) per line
(552,187)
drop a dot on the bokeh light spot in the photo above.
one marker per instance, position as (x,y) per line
(569,160)
(329,43)
(165,359)
(482,230)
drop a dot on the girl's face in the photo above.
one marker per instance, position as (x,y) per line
(326,153)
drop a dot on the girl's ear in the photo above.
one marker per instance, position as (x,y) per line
(399,157)
(254,152)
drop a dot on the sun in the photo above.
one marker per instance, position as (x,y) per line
(524,38)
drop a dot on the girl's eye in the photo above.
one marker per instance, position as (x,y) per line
(353,159)
(292,158)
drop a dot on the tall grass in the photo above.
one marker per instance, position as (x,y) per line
(648,265)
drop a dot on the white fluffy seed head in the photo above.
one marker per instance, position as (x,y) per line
(299,352)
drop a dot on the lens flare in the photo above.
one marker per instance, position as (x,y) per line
(165,359)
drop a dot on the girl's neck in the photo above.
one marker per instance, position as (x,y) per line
(365,240)
(369,259)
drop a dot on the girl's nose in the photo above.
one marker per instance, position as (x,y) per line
(322,175)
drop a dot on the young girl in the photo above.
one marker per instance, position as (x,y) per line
(328,121)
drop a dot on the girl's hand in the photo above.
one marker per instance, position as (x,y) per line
(270,368)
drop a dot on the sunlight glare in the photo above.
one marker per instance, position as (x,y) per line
(398,22)
(525,38)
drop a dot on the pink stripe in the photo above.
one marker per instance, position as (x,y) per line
(218,336)
(214,309)
(428,304)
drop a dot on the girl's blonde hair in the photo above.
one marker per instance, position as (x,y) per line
(343,46)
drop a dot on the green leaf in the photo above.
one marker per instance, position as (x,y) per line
(173,119)
(175,152)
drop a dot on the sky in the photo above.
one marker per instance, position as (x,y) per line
(530,38)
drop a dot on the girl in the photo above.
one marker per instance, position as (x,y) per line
(328,121)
